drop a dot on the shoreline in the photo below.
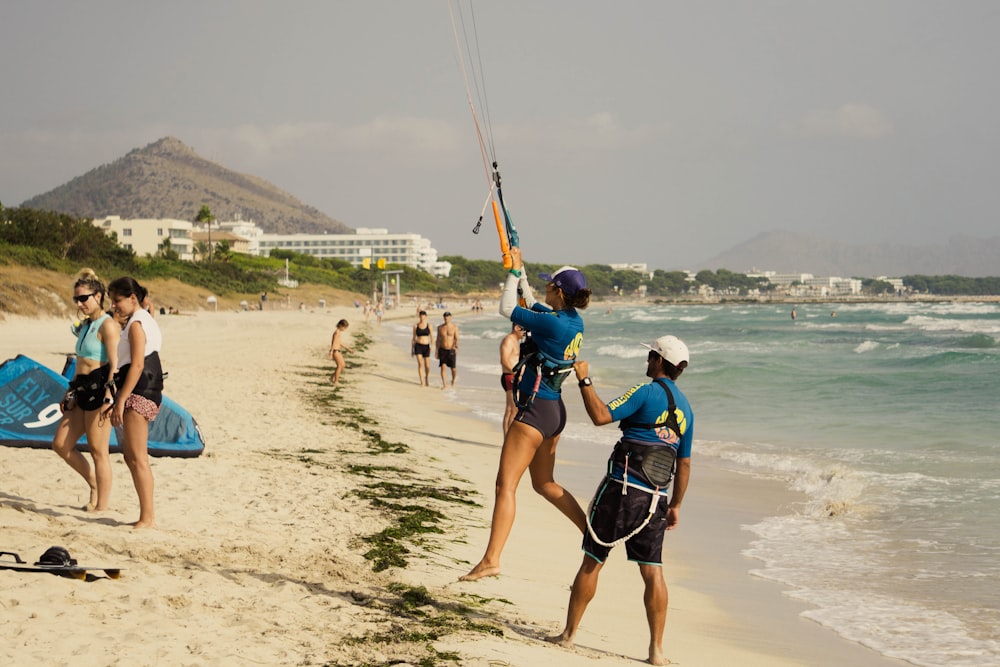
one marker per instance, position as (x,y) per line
(753,619)
(260,534)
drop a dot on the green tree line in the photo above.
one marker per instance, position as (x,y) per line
(61,242)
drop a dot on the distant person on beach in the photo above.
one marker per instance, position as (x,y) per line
(530,443)
(510,354)
(420,343)
(89,392)
(263,300)
(793,314)
(447,348)
(139,387)
(337,348)
(631,504)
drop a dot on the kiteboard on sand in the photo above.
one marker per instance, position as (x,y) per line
(55,560)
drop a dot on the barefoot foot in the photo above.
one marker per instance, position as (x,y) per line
(561,640)
(656,658)
(480,571)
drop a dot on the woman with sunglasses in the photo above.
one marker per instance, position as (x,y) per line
(556,330)
(97,337)
(139,382)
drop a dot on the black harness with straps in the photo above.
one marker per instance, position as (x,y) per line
(547,370)
(655,461)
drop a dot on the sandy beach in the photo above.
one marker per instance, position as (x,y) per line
(258,556)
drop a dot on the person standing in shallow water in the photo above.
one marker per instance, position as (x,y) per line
(337,347)
(139,383)
(96,357)
(530,443)
(510,354)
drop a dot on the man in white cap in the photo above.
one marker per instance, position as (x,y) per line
(632,504)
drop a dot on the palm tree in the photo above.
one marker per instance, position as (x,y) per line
(205,216)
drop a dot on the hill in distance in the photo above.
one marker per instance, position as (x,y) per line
(167,179)
(789,252)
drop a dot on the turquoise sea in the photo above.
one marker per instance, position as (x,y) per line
(885,416)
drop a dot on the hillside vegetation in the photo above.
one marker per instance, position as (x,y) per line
(41,251)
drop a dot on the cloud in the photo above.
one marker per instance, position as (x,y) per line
(408,139)
(857,121)
(599,132)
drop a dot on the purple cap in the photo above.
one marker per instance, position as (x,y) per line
(568,279)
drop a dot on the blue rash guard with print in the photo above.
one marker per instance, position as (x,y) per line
(557,333)
(646,404)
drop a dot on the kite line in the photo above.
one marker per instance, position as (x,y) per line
(487,149)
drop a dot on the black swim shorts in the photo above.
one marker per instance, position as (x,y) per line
(614,516)
(446,357)
(422,349)
(545,415)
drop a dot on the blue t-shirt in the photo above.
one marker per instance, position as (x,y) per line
(646,404)
(557,333)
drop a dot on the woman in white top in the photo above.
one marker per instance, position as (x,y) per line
(139,383)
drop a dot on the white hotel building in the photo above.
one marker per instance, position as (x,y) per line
(407,249)
(145,237)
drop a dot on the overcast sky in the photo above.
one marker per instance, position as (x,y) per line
(659,132)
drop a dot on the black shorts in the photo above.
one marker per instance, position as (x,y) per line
(446,357)
(614,516)
(545,415)
(422,349)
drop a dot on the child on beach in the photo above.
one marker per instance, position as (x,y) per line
(336,347)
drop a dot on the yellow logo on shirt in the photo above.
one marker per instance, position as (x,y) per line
(573,348)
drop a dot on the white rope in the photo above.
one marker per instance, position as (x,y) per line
(654,498)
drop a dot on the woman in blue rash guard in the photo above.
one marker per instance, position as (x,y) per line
(556,330)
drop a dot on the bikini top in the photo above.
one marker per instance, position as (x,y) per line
(426,331)
(88,345)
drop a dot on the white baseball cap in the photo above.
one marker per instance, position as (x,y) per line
(670,348)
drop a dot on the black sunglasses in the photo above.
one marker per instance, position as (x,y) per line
(80,298)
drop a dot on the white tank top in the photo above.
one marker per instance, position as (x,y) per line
(154,339)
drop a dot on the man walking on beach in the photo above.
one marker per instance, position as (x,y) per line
(447,348)
(631,504)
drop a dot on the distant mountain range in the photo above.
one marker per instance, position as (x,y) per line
(167,179)
(789,252)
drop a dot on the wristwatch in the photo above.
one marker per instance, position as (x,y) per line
(585,382)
